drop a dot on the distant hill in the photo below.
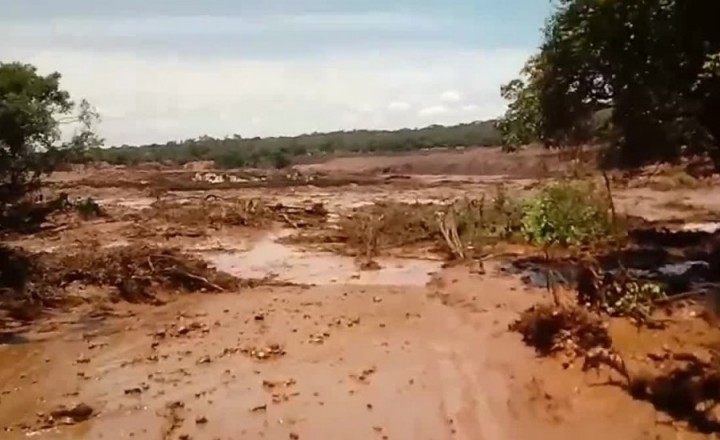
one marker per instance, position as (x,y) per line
(236,151)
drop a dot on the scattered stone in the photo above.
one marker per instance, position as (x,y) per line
(272,351)
(201,420)
(364,375)
(259,408)
(204,360)
(136,390)
(76,413)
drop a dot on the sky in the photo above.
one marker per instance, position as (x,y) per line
(160,70)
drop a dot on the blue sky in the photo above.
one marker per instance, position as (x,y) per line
(171,69)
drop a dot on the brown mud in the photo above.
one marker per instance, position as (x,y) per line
(252,332)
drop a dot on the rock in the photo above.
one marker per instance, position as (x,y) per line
(77,413)
(204,360)
(136,390)
(201,420)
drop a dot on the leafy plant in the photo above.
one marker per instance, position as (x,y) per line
(566,214)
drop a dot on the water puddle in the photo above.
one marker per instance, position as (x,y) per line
(267,257)
(675,276)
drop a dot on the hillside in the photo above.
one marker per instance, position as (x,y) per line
(236,151)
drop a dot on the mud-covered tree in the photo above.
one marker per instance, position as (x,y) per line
(33,110)
(651,64)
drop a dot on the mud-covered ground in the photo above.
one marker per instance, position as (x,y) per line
(311,341)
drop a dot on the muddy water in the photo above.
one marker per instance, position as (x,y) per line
(268,258)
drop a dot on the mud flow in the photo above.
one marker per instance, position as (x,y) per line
(356,299)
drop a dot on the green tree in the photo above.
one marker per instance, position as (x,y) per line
(32,110)
(651,63)
(520,125)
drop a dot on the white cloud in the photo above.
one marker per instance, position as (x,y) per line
(155,97)
(450,96)
(470,107)
(433,110)
(399,106)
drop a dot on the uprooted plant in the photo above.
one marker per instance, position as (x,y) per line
(32,282)
(551,329)
(133,270)
(618,293)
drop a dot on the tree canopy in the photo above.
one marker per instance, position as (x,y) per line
(652,65)
(32,110)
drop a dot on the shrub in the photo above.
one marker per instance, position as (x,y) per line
(567,214)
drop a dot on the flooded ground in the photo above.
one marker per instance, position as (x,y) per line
(354,362)
(268,258)
(317,347)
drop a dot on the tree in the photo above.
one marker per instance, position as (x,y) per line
(33,109)
(522,121)
(652,64)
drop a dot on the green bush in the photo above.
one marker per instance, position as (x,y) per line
(567,214)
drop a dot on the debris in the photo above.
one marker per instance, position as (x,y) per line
(272,351)
(76,413)
(571,329)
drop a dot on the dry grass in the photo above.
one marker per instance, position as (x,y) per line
(460,229)
(248,212)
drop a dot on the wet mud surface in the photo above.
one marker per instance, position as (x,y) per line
(318,346)
(305,362)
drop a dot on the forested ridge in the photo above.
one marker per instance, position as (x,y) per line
(237,151)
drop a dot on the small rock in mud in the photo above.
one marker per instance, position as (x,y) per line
(259,408)
(133,391)
(82,359)
(364,374)
(316,339)
(204,360)
(369,265)
(272,351)
(77,413)
(201,420)
(259,317)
